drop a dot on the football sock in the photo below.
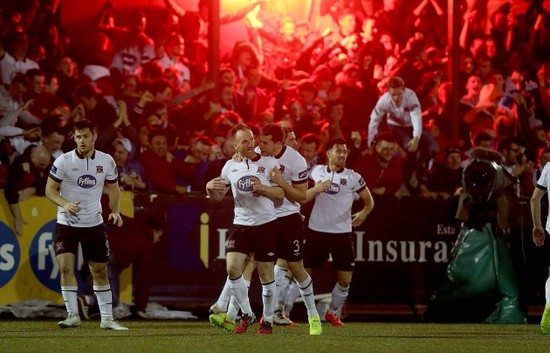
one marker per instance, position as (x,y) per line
(281,281)
(306,291)
(233,309)
(293,294)
(269,291)
(104,301)
(240,291)
(69,294)
(223,300)
(339,295)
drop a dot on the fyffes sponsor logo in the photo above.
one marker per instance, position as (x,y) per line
(246,183)
(42,257)
(10,254)
(333,189)
(86,181)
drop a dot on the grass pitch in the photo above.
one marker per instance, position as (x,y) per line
(199,336)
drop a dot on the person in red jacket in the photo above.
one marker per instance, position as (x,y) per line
(161,168)
(383,168)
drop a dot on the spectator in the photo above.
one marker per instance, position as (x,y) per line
(473,86)
(251,99)
(16,139)
(92,106)
(445,178)
(352,97)
(225,152)
(173,57)
(517,166)
(44,104)
(131,174)
(67,73)
(383,168)
(13,108)
(53,136)
(482,116)
(485,70)
(220,101)
(194,25)
(323,79)
(307,96)
(133,47)
(156,116)
(27,177)
(161,169)
(404,118)
(197,161)
(14,59)
(413,63)
(51,85)
(338,127)
(290,138)
(309,149)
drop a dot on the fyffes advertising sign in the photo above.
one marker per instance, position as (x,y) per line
(42,257)
(10,254)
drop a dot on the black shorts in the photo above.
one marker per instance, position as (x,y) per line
(93,240)
(320,245)
(290,237)
(261,240)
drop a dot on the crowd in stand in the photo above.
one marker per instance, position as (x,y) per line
(166,124)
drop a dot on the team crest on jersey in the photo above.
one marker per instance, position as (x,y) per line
(99,169)
(282,168)
(261,169)
(343,181)
(230,244)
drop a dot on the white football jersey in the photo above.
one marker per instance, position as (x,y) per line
(294,169)
(332,209)
(542,183)
(250,210)
(82,180)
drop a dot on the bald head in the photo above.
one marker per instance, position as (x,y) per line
(40,157)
